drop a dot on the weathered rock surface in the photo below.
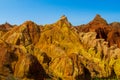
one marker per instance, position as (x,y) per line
(60,51)
(108,32)
(4,28)
(114,34)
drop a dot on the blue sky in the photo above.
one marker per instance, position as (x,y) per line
(49,11)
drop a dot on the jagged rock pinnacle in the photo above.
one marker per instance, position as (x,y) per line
(64,18)
(98,19)
(60,51)
(97,16)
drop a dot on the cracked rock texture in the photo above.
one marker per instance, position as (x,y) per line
(60,51)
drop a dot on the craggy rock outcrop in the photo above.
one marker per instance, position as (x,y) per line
(25,34)
(108,32)
(102,59)
(6,58)
(114,34)
(60,51)
(4,28)
(67,68)
(14,60)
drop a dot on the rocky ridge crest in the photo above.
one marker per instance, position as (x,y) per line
(60,51)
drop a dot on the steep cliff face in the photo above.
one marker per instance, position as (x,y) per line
(114,34)
(60,51)
(16,53)
(101,56)
(98,25)
(25,34)
(58,38)
(108,32)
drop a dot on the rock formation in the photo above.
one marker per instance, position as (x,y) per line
(60,51)
(108,32)
(4,28)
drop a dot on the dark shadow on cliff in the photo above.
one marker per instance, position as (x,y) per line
(36,71)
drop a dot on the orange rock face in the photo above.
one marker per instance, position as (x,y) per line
(109,32)
(6,27)
(114,34)
(60,51)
